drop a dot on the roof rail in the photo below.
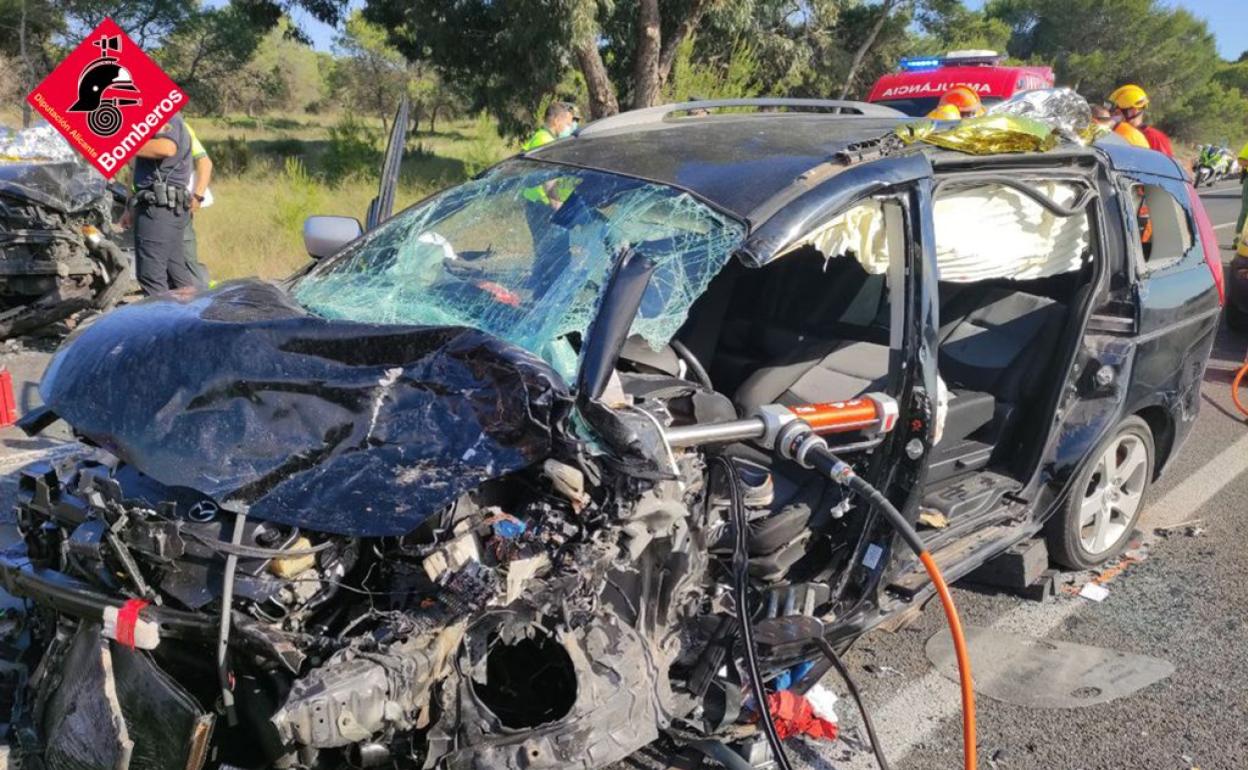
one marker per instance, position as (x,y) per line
(652,115)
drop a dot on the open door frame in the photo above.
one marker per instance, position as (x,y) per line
(382,207)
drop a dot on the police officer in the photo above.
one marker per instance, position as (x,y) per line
(161,209)
(201,177)
(558,123)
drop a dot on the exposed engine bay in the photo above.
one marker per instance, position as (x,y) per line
(442,570)
(58,251)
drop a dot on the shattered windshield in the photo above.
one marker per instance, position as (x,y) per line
(523,253)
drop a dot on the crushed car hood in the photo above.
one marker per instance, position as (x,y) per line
(334,426)
(63,186)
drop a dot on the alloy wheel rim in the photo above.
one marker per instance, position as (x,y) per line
(1113,494)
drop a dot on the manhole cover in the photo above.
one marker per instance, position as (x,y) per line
(1043,673)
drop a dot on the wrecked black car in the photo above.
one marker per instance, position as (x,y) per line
(456,496)
(59,254)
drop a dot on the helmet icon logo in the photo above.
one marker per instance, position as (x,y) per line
(100,86)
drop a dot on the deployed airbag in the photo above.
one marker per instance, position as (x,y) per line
(996,231)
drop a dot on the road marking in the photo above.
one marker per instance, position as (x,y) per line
(916,712)
(1219,227)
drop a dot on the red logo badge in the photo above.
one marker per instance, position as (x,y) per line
(107,98)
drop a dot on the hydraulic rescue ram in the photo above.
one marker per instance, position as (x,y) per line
(875,414)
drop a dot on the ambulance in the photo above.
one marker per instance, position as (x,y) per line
(920,81)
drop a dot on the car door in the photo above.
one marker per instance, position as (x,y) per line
(1176,303)
(898,466)
(382,207)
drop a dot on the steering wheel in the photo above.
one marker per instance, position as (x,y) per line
(695,366)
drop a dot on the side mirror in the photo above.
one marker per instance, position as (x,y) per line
(324,236)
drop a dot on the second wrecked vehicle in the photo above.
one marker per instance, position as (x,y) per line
(59,254)
(436,502)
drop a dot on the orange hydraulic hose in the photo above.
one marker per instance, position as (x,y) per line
(1239,377)
(969,754)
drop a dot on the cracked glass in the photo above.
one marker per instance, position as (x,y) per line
(523,253)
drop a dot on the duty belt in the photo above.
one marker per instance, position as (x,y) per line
(166,196)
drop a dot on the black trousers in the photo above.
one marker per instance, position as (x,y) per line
(159,259)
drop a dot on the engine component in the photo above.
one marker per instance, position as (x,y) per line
(357,694)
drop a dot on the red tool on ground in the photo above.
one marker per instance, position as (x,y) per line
(8,404)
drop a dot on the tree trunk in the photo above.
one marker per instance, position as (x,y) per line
(667,57)
(646,57)
(28,80)
(886,8)
(602,100)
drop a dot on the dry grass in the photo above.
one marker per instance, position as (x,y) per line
(255,224)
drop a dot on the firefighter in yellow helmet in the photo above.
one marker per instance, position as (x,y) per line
(964,100)
(945,112)
(1110,121)
(1131,101)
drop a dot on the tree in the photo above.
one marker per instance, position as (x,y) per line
(509,55)
(882,16)
(1097,45)
(208,54)
(369,74)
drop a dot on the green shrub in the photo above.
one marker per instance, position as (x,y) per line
(230,156)
(297,196)
(485,149)
(352,150)
(286,147)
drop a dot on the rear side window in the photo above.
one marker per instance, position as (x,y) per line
(1164,229)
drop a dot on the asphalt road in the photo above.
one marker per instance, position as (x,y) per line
(1183,603)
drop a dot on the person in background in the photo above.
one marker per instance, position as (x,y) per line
(1243,196)
(945,112)
(1106,119)
(160,209)
(201,177)
(558,122)
(965,100)
(1131,101)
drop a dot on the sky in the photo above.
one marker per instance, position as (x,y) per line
(1227,19)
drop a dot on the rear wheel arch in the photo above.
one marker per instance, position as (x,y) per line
(1161,424)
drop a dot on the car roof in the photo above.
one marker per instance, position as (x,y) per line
(737,162)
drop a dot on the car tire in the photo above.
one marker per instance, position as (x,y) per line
(1236,319)
(1106,499)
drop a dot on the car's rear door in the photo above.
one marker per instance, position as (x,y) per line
(1176,299)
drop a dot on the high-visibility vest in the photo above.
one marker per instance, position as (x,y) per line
(540,137)
(1132,134)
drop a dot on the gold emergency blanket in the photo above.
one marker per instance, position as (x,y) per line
(987,135)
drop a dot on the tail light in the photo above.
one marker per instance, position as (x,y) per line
(1208,242)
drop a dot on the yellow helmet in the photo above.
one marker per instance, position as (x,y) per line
(965,100)
(1129,97)
(945,112)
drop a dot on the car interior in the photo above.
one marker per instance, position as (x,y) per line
(816,325)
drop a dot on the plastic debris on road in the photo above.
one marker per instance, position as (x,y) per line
(794,714)
(34,143)
(823,701)
(1094,591)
